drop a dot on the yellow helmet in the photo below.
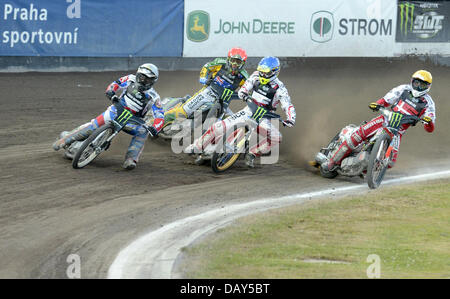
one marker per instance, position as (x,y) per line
(421,83)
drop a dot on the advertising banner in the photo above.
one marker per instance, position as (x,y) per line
(91,28)
(424,22)
(290,28)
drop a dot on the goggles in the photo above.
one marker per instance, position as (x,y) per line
(420,85)
(264,72)
(234,61)
(145,80)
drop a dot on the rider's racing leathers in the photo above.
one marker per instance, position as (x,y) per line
(138,102)
(268,96)
(401,100)
(213,74)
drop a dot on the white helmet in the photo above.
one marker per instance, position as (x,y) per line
(146,75)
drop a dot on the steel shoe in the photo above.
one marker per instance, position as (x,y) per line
(250,160)
(191,149)
(328,166)
(71,151)
(129,164)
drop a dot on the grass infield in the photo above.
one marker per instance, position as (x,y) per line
(408,227)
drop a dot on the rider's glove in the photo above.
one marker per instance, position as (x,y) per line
(208,82)
(153,132)
(115,99)
(427,119)
(288,123)
(374,106)
(246,98)
(110,93)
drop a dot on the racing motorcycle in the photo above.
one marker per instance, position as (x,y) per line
(183,126)
(371,158)
(100,140)
(236,140)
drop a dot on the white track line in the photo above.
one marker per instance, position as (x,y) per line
(153,255)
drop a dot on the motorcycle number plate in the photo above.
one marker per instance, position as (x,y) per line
(260,98)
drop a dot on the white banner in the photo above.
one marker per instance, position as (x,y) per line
(290,28)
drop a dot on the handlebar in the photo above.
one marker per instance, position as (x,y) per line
(269,114)
(407,119)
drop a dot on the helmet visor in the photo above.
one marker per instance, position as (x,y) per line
(236,63)
(265,72)
(145,80)
(419,85)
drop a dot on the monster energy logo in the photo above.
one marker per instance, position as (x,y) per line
(406,15)
(259,113)
(124,117)
(395,120)
(226,95)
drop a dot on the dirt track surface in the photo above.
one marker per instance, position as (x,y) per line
(49,210)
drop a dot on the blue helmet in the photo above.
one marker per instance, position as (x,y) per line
(268,68)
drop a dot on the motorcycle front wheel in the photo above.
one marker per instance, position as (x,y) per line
(93,146)
(233,146)
(378,163)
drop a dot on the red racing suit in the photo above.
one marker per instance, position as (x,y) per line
(401,100)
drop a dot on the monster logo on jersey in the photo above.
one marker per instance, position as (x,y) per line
(124,117)
(226,95)
(259,113)
(395,120)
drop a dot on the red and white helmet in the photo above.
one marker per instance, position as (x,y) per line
(236,59)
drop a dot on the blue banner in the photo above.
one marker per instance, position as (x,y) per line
(95,28)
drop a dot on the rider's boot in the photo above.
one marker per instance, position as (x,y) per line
(71,150)
(343,151)
(129,164)
(199,160)
(78,134)
(190,149)
(250,160)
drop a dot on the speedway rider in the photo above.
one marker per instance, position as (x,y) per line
(226,73)
(409,99)
(264,89)
(138,96)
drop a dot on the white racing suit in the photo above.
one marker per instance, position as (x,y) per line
(137,102)
(268,96)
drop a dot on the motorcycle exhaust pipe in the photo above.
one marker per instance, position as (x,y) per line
(321,158)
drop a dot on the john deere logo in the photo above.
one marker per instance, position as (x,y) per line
(322,23)
(197,29)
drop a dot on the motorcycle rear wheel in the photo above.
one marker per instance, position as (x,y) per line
(93,146)
(377,169)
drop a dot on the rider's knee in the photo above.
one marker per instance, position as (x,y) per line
(141,132)
(219,128)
